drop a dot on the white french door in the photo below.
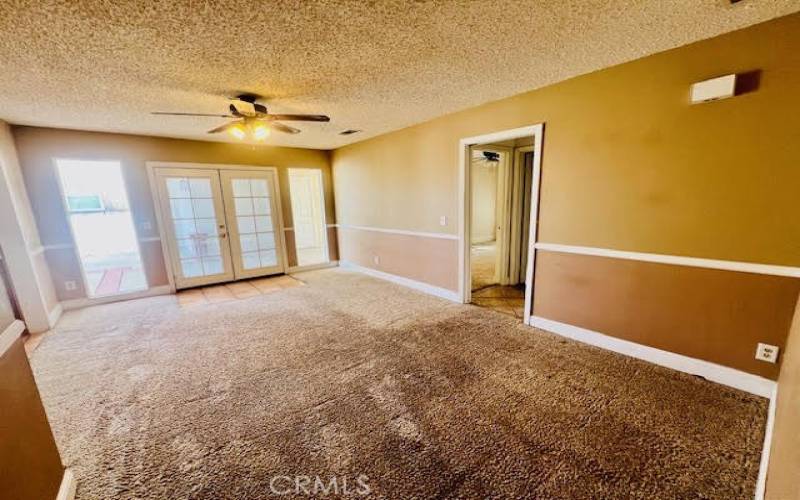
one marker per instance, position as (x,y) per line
(193,215)
(220,225)
(251,206)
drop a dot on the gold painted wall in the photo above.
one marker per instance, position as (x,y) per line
(38,146)
(627,164)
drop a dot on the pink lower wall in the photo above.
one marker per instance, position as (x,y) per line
(430,260)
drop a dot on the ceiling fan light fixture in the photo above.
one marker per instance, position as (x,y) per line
(238,132)
(260,131)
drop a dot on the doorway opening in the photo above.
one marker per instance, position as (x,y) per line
(500,174)
(308,216)
(96,203)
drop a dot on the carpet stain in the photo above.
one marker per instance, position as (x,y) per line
(351,376)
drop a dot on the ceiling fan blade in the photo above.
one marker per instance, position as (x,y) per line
(223,128)
(235,112)
(284,128)
(300,118)
(188,114)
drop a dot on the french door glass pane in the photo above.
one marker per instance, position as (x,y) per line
(244,206)
(246,225)
(250,260)
(241,187)
(195,222)
(249,242)
(254,222)
(200,188)
(268,258)
(191,268)
(203,208)
(259,187)
(261,206)
(212,265)
(266,240)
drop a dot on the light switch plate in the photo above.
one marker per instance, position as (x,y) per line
(376,259)
(443,220)
(766,352)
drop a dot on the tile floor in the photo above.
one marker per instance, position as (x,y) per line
(208,295)
(505,299)
(32,341)
(235,290)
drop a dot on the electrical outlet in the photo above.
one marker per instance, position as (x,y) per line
(70,285)
(376,259)
(146,226)
(443,220)
(766,352)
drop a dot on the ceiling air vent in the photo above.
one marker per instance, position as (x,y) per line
(349,131)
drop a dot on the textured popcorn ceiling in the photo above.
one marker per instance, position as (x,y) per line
(371,65)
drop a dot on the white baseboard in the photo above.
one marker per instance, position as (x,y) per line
(10,335)
(54,315)
(407,282)
(68,486)
(761,482)
(724,375)
(68,305)
(312,267)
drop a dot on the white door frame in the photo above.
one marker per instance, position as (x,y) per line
(464,271)
(151,167)
(517,215)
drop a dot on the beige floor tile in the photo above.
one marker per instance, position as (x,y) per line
(218,293)
(504,299)
(513,292)
(489,302)
(288,281)
(32,342)
(500,291)
(265,285)
(492,291)
(243,289)
(191,297)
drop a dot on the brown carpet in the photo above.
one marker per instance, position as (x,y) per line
(353,376)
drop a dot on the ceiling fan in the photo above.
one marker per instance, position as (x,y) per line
(252,118)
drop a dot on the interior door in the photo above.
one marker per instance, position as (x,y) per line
(192,212)
(253,214)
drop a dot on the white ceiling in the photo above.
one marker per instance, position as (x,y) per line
(376,66)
